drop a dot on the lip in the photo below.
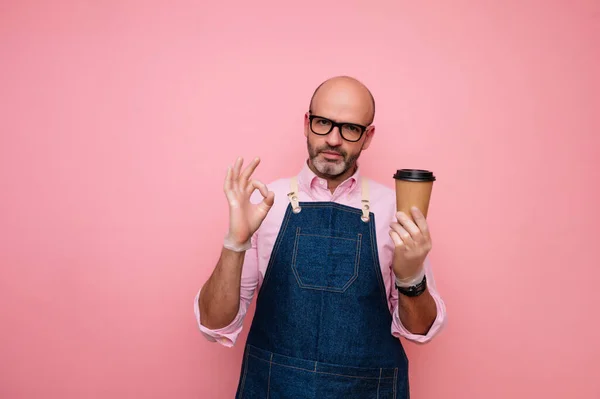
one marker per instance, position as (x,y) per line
(331,154)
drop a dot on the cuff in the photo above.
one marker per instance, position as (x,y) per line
(398,330)
(225,336)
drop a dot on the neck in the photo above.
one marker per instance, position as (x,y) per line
(335,181)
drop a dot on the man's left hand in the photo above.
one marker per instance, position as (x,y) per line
(412,243)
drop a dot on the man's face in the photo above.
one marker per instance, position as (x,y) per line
(332,155)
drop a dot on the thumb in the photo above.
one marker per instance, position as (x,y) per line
(268,201)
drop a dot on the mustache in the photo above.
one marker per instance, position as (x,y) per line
(331,149)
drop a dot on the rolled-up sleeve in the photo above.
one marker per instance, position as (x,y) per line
(398,330)
(228,335)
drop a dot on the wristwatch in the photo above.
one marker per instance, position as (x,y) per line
(414,290)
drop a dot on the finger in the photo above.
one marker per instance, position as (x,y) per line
(236,172)
(257,185)
(403,234)
(245,176)
(421,222)
(227,187)
(398,243)
(227,183)
(409,225)
(267,202)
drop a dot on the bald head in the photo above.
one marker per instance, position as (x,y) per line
(347,98)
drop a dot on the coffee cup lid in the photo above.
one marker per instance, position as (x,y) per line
(418,175)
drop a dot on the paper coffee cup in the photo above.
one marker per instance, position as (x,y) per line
(413,188)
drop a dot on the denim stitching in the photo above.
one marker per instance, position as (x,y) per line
(379,383)
(395,380)
(341,207)
(349,376)
(269,380)
(294,253)
(320,372)
(341,233)
(284,224)
(379,277)
(357,261)
(321,288)
(244,376)
(376,264)
(319,235)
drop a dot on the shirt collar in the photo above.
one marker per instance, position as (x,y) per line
(307,180)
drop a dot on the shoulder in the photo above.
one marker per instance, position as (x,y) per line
(280,186)
(381,195)
(383,201)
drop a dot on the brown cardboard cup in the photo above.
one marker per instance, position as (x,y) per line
(413,188)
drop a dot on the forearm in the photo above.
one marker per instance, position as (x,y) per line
(220,297)
(418,313)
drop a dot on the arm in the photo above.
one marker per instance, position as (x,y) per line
(412,243)
(228,334)
(219,300)
(400,329)
(417,314)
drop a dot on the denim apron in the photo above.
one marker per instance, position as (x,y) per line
(322,326)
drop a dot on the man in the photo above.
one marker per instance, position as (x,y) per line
(341,276)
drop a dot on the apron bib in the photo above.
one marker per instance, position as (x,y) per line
(322,326)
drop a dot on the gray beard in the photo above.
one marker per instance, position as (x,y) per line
(331,168)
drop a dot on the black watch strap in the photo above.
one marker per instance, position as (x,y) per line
(414,290)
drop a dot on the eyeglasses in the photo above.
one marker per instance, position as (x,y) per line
(323,126)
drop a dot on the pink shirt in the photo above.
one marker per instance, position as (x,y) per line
(313,188)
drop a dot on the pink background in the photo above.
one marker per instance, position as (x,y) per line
(118,120)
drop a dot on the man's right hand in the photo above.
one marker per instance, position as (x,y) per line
(245,217)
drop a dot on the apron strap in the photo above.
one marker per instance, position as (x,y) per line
(365,200)
(293,195)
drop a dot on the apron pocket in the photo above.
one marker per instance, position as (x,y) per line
(255,378)
(292,383)
(333,386)
(275,376)
(326,259)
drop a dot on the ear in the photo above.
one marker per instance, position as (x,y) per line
(369,136)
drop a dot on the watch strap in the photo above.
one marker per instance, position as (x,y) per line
(414,290)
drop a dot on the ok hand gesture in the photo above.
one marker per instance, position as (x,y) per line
(244,217)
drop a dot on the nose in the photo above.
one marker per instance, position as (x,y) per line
(334,138)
